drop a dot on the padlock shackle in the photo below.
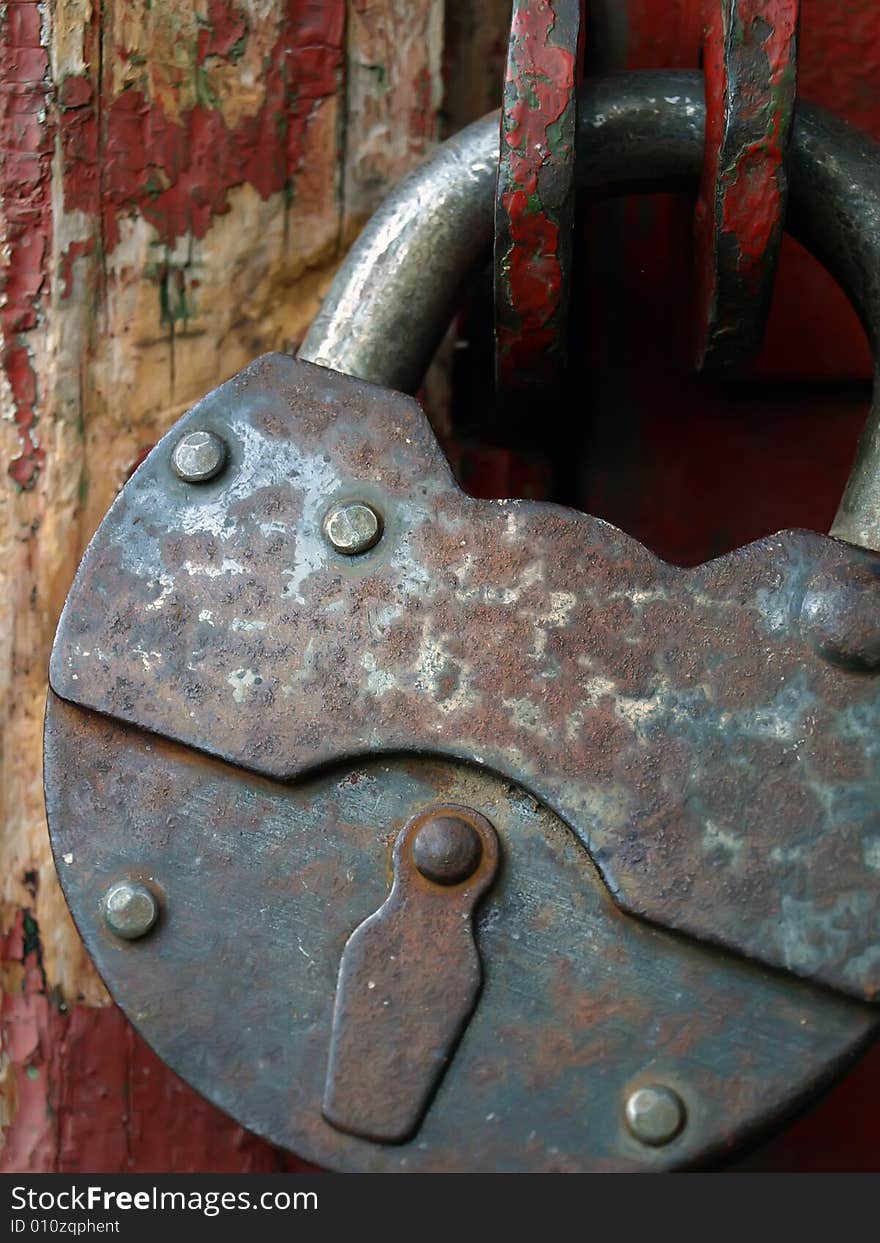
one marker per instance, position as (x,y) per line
(393,297)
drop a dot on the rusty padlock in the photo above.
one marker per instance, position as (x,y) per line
(475,836)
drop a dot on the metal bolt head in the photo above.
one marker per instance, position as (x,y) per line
(840,611)
(198,456)
(446,849)
(655,1114)
(352,527)
(130,909)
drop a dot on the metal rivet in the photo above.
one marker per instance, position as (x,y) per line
(655,1114)
(446,849)
(130,909)
(198,457)
(840,610)
(352,527)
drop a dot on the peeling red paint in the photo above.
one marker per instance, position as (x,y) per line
(26,1025)
(546,73)
(752,200)
(750,73)
(127,157)
(751,210)
(535,275)
(534,191)
(813,331)
(134,159)
(26,143)
(90,1095)
(225,27)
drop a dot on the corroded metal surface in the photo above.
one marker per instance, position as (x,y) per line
(408,983)
(260,885)
(688,724)
(750,63)
(534,201)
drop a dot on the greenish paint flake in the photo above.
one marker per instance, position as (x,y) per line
(31,942)
(556,137)
(238,48)
(380,73)
(83,489)
(174,303)
(530,94)
(32,1072)
(204,94)
(782,97)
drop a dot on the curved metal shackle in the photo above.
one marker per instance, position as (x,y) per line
(394,295)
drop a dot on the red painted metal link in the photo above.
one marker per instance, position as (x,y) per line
(534,206)
(750,59)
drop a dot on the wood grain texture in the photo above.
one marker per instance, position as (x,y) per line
(178,183)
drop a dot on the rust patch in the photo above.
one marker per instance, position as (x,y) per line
(677,719)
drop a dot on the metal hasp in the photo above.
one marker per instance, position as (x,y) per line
(534,200)
(391,300)
(750,65)
(409,977)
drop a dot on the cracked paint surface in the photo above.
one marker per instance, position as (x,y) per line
(26,146)
(535,194)
(750,63)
